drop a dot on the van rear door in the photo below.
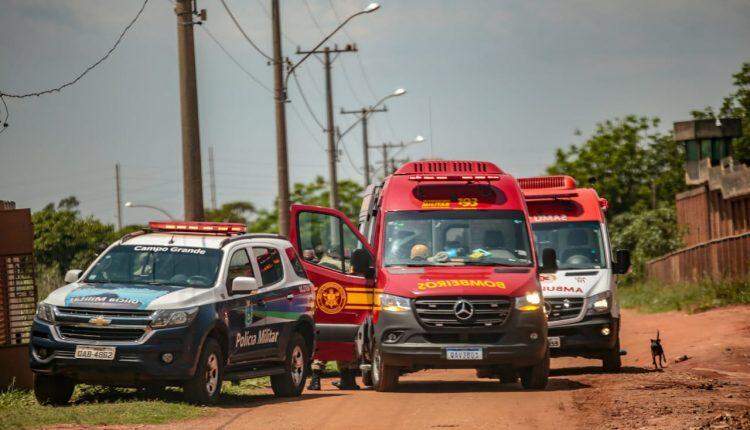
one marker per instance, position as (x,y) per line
(325,239)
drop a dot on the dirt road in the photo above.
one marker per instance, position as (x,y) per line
(711,389)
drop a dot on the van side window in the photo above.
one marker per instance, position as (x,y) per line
(270,265)
(239,265)
(320,239)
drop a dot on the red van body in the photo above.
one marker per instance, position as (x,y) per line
(441,273)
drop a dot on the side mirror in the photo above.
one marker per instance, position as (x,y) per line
(244,285)
(621,265)
(72,275)
(362,262)
(549,261)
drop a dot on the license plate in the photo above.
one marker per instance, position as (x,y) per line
(464,354)
(554,342)
(95,352)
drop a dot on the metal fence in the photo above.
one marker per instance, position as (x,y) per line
(727,258)
(17,298)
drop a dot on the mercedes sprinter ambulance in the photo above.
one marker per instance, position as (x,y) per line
(187,304)
(580,298)
(441,273)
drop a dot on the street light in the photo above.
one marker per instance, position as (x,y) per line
(396,93)
(372,7)
(133,205)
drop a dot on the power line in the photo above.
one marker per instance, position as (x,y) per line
(4,125)
(247,38)
(305,126)
(307,105)
(89,68)
(235,61)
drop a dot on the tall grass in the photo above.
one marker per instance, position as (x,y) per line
(651,296)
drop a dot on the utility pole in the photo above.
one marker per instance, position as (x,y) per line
(384,151)
(282,157)
(191,146)
(212,176)
(333,199)
(118,196)
(364,113)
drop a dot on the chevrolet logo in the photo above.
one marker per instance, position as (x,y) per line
(100,321)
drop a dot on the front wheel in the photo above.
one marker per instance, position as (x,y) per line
(205,387)
(292,381)
(537,376)
(611,360)
(384,377)
(53,390)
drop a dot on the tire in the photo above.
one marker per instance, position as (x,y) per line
(292,381)
(508,377)
(536,377)
(367,378)
(205,387)
(611,360)
(384,377)
(53,390)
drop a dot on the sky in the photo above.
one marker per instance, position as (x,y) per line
(504,81)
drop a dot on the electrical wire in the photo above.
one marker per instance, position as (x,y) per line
(88,69)
(4,125)
(306,127)
(349,158)
(235,61)
(247,38)
(307,104)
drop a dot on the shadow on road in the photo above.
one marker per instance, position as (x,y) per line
(594,370)
(555,384)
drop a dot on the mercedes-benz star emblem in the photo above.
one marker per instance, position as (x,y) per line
(464,310)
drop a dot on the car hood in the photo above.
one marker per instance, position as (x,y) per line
(457,281)
(574,283)
(125,296)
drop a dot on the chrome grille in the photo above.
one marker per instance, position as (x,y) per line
(440,313)
(563,308)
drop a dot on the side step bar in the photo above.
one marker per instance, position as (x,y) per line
(250,374)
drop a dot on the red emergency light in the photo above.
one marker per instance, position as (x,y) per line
(560,182)
(438,178)
(198,227)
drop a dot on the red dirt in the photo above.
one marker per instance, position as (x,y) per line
(711,389)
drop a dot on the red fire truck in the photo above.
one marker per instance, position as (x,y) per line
(581,296)
(441,273)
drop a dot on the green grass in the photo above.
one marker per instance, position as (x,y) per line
(692,297)
(113,406)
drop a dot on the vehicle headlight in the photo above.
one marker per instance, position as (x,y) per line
(391,303)
(600,303)
(173,317)
(530,302)
(45,312)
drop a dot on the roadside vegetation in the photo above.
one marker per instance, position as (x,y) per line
(690,297)
(114,406)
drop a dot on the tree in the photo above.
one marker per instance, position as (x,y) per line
(314,193)
(736,104)
(237,211)
(63,239)
(628,161)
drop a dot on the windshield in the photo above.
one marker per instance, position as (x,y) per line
(456,237)
(157,265)
(579,245)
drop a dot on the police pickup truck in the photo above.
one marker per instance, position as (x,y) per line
(188,304)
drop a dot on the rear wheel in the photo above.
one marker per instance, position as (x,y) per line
(205,386)
(611,360)
(536,377)
(384,377)
(367,378)
(508,376)
(53,390)
(292,381)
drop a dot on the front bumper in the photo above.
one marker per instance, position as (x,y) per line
(419,347)
(134,363)
(585,338)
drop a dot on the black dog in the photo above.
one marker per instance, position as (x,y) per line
(657,351)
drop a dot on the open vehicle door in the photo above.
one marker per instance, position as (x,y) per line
(327,240)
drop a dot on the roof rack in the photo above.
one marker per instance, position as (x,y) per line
(229,240)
